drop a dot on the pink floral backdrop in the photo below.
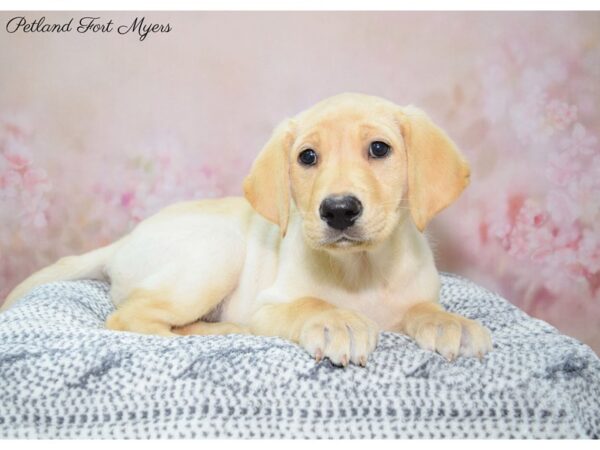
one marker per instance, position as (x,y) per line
(99,131)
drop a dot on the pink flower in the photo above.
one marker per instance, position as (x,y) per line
(127,198)
(36,180)
(542,244)
(531,215)
(16,156)
(528,218)
(526,120)
(500,230)
(17,161)
(10,184)
(579,142)
(23,186)
(560,114)
(562,168)
(562,208)
(14,126)
(557,280)
(589,251)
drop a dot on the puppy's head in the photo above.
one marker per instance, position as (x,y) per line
(349,163)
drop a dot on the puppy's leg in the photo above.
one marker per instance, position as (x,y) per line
(323,330)
(211,328)
(146,312)
(127,320)
(158,311)
(160,284)
(448,334)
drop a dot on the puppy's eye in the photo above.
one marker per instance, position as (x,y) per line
(379,149)
(308,157)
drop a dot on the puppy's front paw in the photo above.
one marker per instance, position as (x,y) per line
(341,335)
(451,335)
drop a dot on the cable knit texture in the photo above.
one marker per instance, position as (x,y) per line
(63,375)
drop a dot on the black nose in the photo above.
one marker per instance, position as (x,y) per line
(340,211)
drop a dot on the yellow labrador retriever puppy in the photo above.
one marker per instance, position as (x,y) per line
(325,250)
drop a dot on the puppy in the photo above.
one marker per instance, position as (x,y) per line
(326,249)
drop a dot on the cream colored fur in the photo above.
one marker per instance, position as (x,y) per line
(268,264)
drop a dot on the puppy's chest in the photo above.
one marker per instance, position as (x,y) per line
(383,304)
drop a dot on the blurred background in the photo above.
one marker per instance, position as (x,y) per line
(98,131)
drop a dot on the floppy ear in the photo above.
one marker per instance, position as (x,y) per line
(267,187)
(437,172)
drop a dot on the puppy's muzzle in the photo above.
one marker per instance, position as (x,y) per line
(340,211)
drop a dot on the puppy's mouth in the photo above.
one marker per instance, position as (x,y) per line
(343,240)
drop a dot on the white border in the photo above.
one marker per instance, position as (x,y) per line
(300,5)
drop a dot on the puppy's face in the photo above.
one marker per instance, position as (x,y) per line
(352,164)
(347,168)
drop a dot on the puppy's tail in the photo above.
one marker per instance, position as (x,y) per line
(89,265)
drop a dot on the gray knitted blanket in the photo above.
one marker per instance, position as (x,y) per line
(62,375)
